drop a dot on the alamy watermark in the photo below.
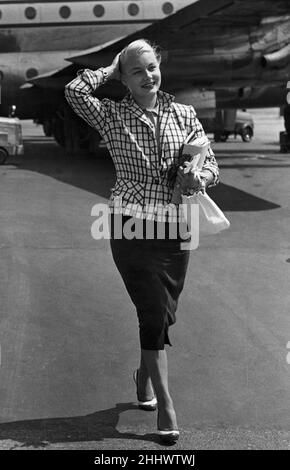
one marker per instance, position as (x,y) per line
(183,222)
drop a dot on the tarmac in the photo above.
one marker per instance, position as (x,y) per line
(69,332)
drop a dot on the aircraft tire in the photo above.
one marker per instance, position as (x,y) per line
(3,156)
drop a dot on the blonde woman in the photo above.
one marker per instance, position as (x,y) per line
(144,133)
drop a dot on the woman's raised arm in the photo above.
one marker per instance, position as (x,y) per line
(79,94)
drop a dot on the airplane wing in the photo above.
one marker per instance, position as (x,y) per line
(196,26)
(204,44)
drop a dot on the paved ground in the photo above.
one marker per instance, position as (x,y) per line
(69,337)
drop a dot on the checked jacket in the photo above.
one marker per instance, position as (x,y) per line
(142,166)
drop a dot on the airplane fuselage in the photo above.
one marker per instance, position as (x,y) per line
(37,37)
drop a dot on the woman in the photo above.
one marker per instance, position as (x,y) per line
(144,133)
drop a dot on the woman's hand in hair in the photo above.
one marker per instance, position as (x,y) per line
(113,70)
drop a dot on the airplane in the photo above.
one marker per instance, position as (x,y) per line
(38,37)
(217,54)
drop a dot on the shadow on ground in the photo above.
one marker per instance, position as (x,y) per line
(93,427)
(96,174)
(237,153)
(232,199)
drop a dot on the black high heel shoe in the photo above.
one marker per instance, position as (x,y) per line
(167,436)
(149,405)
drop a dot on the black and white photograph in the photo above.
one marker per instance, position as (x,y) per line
(145,229)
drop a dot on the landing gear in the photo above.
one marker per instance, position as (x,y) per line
(284,142)
(285,136)
(71,132)
(47,127)
(57,130)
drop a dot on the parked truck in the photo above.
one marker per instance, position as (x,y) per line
(11,142)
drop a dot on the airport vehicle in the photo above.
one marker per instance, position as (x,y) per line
(10,138)
(242,124)
(217,54)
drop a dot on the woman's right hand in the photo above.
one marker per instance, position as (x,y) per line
(114,69)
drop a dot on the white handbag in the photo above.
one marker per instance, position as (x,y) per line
(211,219)
(206,218)
(203,217)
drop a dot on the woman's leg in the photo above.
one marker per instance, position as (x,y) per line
(156,363)
(145,389)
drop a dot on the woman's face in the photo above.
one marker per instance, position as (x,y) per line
(142,73)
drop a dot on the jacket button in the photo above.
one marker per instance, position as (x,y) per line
(156,180)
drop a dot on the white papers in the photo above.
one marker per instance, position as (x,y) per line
(196,151)
(193,155)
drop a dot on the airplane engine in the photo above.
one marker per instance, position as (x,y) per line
(245,92)
(277,59)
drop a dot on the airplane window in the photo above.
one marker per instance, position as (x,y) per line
(30,13)
(32,72)
(99,10)
(133,9)
(64,11)
(167,8)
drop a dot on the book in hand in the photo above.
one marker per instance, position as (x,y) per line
(192,158)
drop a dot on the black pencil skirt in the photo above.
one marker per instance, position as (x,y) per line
(153,271)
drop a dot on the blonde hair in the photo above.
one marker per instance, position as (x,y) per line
(138,47)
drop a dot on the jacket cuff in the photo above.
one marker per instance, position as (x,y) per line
(94,78)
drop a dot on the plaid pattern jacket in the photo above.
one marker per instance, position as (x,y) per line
(142,173)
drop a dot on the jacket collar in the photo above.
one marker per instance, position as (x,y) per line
(164,99)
